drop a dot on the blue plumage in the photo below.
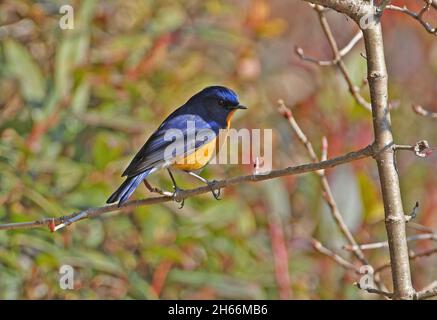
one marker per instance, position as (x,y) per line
(208,109)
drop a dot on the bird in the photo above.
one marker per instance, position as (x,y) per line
(207,113)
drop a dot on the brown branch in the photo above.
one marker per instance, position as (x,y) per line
(417,15)
(329,198)
(412,256)
(353,89)
(421,148)
(395,221)
(95,212)
(389,180)
(317,245)
(341,53)
(429,291)
(355,9)
(384,244)
(375,291)
(383,5)
(423,112)
(338,54)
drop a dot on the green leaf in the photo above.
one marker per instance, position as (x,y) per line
(22,66)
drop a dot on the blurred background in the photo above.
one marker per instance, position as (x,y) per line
(76,105)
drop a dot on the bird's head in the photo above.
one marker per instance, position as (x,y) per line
(219,99)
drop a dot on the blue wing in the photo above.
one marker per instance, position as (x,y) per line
(179,135)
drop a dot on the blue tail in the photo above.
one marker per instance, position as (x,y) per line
(126,189)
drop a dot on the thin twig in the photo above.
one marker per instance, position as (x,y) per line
(94,212)
(338,55)
(420,148)
(429,291)
(343,52)
(329,198)
(354,90)
(374,290)
(382,5)
(419,227)
(423,112)
(418,16)
(317,245)
(384,244)
(412,256)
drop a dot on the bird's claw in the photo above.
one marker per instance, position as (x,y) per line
(177,198)
(215,193)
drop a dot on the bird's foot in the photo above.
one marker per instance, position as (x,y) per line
(177,198)
(215,192)
(156,190)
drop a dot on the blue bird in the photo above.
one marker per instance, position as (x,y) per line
(204,114)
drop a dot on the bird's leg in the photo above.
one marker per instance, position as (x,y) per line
(155,189)
(176,189)
(210,184)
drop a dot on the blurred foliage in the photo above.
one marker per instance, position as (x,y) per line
(76,104)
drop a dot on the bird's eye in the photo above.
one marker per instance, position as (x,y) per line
(221,102)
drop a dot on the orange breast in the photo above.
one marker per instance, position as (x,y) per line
(228,118)
(200,158)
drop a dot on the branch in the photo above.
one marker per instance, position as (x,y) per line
(384,244)
(338,54)
(395,221)
(343,52)
(418,16)
(385,159)
(317,245)
(412,256)
(355,9)
(383,5)
(429,291)
(423,112)
(375,291)
(421,148)
(329,198)
(59,222)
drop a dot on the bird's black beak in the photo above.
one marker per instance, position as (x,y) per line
(240,106)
